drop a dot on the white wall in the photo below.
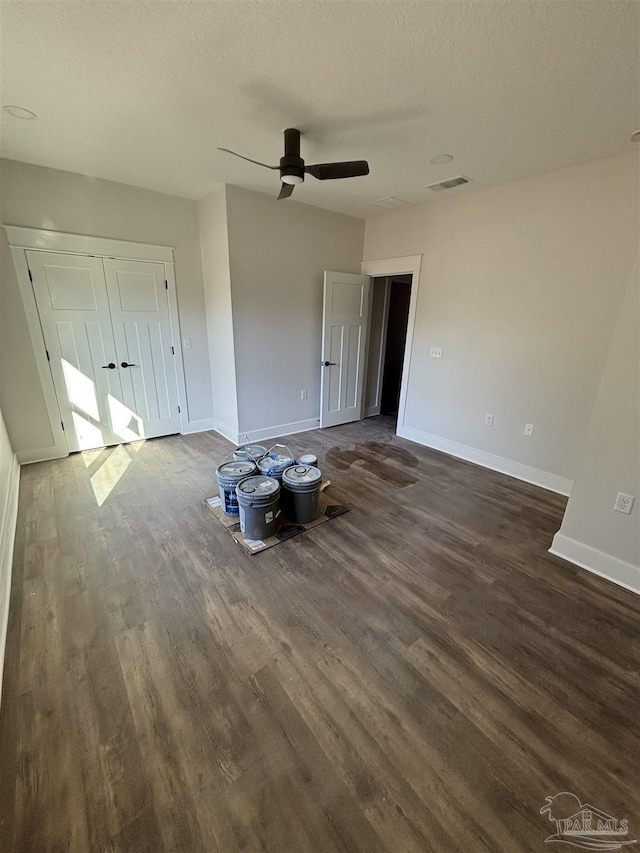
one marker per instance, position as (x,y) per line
(278,251)
(214,239)
(592,534)
(38,197)
(9,480)
(521,285)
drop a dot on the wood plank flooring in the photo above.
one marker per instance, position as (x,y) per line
(417,675)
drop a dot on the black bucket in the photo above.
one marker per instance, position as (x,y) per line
(301,493)
(259,504)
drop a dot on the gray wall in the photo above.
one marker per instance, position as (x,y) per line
(38,197)
(278,251)
(521,285)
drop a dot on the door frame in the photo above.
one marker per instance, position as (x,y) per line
(21,239)
(401,266)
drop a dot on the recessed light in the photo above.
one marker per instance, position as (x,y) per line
(19,112)
(442,158)
(635,137)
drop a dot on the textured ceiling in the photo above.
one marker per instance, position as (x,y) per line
(142,93)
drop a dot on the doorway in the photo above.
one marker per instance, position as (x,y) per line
(390,306)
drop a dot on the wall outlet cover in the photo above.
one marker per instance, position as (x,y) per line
(528,429)
(624,503)
(435,352)
(488,420)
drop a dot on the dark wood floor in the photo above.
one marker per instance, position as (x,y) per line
(417,675)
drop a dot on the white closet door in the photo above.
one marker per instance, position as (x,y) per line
(71,296)
(139,304)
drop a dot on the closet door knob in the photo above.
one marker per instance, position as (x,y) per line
(110,366)
(126,364)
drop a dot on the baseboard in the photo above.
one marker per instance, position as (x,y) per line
(604,565)
(43,454)
(226,431)
(280,430)
(537,477)
(198,426)
(7,540)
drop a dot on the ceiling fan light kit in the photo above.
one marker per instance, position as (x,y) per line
(292,167)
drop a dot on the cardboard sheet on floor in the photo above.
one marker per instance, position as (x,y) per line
(327,509)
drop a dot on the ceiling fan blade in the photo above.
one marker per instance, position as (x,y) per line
(329,171)
(242,157)
(286,190)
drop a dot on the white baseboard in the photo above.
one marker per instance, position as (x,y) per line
(601,564)
(226,431)
(545,479)
(198,426)
(279,430)
(42,454)
(7,539)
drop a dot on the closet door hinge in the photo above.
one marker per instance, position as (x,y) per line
(166,284)
(173,352)
(47,352)
(62,425)
(179,409)
(30,276)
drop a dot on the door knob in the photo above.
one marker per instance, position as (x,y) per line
(125,364)
(110,366)
(329,363)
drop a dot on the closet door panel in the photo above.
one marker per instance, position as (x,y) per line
(139,306)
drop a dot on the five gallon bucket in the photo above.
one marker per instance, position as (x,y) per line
(229,474)
(252,452)
(301,492)
(259,504)
(275,461)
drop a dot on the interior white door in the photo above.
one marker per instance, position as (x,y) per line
(344,342)
(71,296)
(139,304)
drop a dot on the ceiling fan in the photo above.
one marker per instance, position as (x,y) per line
(292,167)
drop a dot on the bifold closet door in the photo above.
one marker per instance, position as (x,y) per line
(139,305)
(71,295)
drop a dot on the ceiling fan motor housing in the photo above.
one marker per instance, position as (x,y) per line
(292,164)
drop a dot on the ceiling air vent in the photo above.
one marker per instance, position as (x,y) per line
(449,184)
(389,202)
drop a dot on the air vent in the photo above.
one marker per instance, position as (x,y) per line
(389,202)
(449,184)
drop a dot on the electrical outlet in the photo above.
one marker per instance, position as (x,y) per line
(488,420)
(435,352)
(528,429)
(624,503)
(303,394)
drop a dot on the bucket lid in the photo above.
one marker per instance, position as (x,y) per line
(275,462)
(299,474)
(237,468)
(308,459)
(258,486)
(255,451)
